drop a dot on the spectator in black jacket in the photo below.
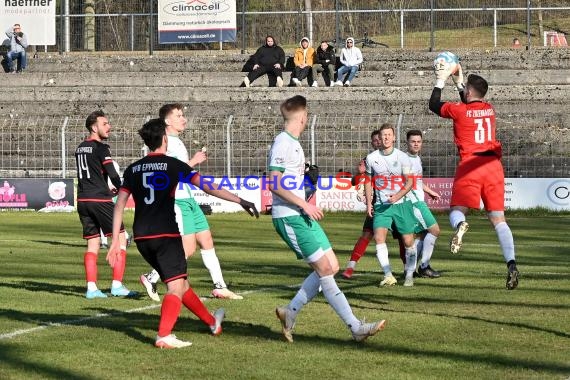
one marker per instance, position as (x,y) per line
(326,60)
(268,59)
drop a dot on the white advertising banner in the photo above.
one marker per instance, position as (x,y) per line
(36,17)
(550,193)
(337,195)
(194,21)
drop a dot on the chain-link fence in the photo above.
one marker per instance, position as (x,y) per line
(238,146)
(415,24)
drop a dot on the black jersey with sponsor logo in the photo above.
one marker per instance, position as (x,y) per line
(152,182)
(94,166)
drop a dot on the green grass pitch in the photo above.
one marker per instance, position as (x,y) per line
(462,325)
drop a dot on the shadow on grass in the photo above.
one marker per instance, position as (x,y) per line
(21,361)
(52,288)
(59,243)
(390,298)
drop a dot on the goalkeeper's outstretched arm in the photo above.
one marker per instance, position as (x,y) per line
(435,102)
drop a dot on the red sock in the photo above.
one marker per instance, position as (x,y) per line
(359,249)
(402,250)
(119,268)
(169,313)
(90,263)
(193,303)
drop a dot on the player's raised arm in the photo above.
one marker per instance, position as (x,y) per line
(458,80)
(442,68)
(198,158)
(217,191)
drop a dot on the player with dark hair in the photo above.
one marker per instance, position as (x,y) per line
(367,230)
(295,220)
(427,229)
(479,175)
(95,202)
(192,223)
(391,178)
(152,181)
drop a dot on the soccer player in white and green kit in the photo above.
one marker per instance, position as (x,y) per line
(390,177)
(295,220)
(427,229)
(192,223)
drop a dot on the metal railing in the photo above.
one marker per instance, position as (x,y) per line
(238,145)
(418,28)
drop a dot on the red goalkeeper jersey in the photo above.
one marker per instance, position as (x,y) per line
(473,128)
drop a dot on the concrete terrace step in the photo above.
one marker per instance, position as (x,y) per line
(233,79)
(233,61)
(555,93)
(529,110)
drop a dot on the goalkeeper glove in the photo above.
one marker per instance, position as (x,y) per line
(458,78)
(249,207)
(442,71)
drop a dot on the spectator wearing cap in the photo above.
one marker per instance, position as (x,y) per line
(18,45)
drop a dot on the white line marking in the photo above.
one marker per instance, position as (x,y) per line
(46,325)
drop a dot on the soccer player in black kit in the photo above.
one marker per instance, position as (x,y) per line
(95,203)
(152,182)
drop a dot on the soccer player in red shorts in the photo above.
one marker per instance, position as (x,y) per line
(479,175)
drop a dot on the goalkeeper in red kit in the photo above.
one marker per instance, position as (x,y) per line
(479,174)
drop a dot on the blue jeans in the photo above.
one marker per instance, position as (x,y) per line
(345,69)
(20,56)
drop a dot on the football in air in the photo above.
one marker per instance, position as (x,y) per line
(446,59)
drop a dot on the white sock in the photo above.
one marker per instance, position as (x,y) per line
(338,301)
(91,286)
(116,284)
(309,289)
(419,244)
(456,217)
(427,249)
(212,263)
(382,255)
(506,241)
(153,276)
(104,239)
(351,264)
(411,260)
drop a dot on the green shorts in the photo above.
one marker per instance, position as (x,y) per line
(400,213)
(303,235)
(190,217)
(423,216)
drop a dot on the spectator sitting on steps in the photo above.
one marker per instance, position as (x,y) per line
(268,59)
(325,62)
(304,59)
(350,58)
(18,45)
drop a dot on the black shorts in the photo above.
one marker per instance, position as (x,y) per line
(165,255)
(96,216)
(368,224)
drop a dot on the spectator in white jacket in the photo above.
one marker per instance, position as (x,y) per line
(350,58)
(18,45)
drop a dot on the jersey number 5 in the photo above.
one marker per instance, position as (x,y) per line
(484,131)
(145,182)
